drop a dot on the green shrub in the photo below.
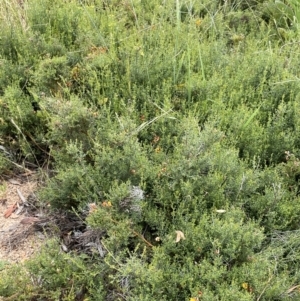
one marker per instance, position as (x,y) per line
(51,74)
(53,275)
(176,122)
(5,162)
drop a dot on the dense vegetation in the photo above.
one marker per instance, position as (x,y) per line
(179,122)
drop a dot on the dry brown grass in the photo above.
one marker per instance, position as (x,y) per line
(13,13)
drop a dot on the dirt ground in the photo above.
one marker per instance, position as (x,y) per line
(26,223)
(18,240)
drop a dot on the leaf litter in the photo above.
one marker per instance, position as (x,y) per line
(12,212)
(26,224)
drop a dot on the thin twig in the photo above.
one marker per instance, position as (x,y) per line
(136,233)
(143,238)
(21,196)
(264,289)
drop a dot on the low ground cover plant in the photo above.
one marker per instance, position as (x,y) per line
(171,129)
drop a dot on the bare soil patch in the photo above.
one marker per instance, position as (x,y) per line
(25,223)
(18,240)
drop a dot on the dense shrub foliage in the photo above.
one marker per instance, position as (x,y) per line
(178,121)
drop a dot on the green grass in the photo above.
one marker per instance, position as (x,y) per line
(196,104)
